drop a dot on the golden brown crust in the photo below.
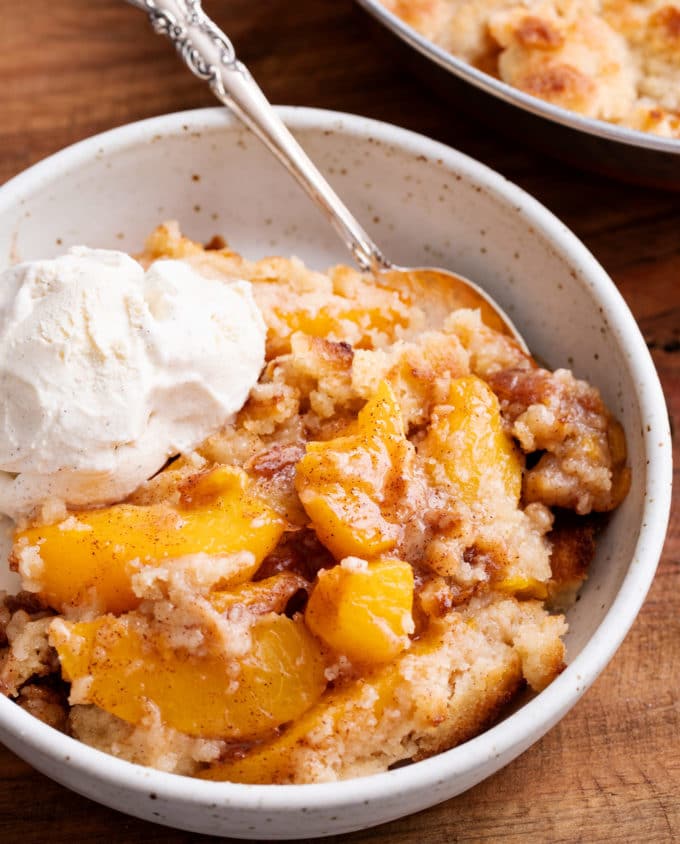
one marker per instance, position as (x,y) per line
(45,702)
(559,83)
(534,32)
(583,459)
(27,653)
(572,542)
(616,60)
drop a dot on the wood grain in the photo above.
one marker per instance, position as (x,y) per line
(610,771)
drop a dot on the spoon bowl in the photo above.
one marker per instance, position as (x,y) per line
(446,292)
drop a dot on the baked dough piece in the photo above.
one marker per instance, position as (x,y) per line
(652,30)
(572,59)
(458,26)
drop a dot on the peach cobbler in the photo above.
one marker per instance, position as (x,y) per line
(614,60)
(362,567)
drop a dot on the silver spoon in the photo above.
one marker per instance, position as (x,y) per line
(210,55)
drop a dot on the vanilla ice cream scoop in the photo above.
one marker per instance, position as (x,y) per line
(106,371)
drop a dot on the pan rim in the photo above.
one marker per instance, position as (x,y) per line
(507,93)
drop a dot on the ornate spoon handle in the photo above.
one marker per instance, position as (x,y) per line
(210,55)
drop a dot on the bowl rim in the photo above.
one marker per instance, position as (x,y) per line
(533,719)
(509,94)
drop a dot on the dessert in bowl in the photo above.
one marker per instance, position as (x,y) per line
(400,404)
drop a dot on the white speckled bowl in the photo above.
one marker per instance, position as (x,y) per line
(425,204)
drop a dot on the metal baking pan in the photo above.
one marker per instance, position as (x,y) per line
(605,148)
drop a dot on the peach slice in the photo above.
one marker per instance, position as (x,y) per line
(89,558)
(122,665)
(350,485)
(467,439)
(363,610)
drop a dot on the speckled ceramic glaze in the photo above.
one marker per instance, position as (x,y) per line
(425,204)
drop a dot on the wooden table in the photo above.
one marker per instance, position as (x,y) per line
(611,769)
